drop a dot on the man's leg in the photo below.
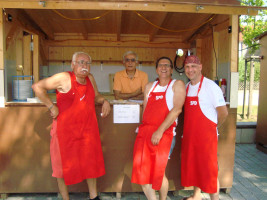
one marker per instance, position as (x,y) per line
(63,188)
(149,192)
(91,182)
(215,196)
(163,192)
(196,195)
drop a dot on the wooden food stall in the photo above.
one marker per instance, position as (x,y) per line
(261,137)
(37,40)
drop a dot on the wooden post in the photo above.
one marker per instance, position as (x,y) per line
(36,60)
(233,31)
(27,55)
(215,59)
(198,48)
(19,53)
(233,26)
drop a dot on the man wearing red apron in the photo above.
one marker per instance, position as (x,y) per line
(75,147)
(204,111)
(163,103)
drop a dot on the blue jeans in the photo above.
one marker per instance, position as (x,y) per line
(172,146)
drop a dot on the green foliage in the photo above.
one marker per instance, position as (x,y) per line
(253,26)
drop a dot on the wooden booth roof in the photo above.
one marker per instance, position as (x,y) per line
(148,19)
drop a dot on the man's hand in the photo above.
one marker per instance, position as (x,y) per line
(105,108)
(138,91)
(54,112)
(156,137)
(137,94)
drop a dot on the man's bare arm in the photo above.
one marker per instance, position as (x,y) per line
(222,113)
(60,81)
(100,98)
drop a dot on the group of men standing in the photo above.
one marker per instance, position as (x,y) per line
(75,147)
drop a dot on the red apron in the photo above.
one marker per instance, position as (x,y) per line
(199,147)
(150,160)
(78,134)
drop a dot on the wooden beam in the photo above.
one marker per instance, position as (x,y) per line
(198,48)
(24,20)
(118,22)
(215,60)
(234,23)
(36,57)
(11,34)
(19,51)
(197,32)
(27,55)
(138,6)
(160,22)
(84,25)
(92,43)
(44,25)
(43,53)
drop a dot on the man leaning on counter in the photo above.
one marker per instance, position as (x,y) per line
(130,83)
(75,146)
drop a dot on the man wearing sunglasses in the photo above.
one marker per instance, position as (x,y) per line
(75,146)
(130,83)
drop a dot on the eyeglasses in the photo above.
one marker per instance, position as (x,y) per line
(164,65)
(130,60)
(82,62)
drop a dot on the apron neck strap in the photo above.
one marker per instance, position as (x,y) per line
(199,87)
(158,83)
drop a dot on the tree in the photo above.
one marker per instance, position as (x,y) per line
(253,26)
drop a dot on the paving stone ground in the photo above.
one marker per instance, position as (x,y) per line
(250,181)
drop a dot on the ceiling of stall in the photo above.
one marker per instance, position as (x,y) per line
(50,23)
(50,18)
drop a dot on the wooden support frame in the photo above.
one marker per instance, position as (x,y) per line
(44,25)
(27,55)
(155,30)
(22,19)
(215,60)
(118,25)
(36,58)
(144,6)
(234,23)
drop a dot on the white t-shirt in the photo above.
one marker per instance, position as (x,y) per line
(169,96)
(210,97)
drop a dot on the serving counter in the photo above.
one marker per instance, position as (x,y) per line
(25,160)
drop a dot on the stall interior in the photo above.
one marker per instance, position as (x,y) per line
(40,43)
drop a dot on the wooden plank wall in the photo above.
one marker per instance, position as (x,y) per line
(112,54)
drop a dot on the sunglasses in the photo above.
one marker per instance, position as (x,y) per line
(130,60)
(82,62)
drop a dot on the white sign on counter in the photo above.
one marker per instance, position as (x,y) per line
(126,113)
